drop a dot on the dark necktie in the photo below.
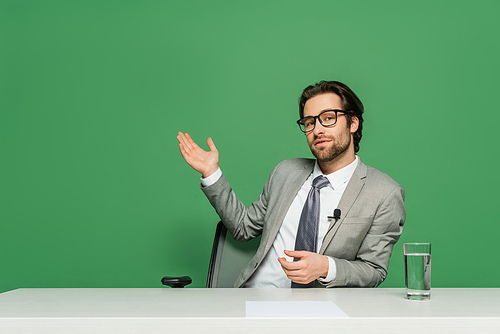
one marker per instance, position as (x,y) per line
(307,234)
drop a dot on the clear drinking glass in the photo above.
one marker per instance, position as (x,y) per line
(417,270)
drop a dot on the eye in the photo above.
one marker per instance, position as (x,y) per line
(308,122)
(328,117)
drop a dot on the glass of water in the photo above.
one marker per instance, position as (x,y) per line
(418,270)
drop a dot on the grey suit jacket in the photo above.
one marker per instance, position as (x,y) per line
(360,242)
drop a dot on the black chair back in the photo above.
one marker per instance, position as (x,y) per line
(228,258)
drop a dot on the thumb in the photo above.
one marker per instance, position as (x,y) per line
(211,145)
(295,254)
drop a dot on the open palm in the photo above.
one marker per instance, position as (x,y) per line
(202,161)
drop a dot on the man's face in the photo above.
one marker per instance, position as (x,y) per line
(328,143)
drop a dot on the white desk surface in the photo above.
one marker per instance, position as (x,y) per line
(223,311)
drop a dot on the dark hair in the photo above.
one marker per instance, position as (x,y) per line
(350,102)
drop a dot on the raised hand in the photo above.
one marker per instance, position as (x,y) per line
(202,161)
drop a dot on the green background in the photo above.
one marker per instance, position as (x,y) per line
(94,191)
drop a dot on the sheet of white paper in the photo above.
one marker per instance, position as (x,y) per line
(293,309)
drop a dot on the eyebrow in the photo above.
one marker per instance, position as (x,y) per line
(328,109)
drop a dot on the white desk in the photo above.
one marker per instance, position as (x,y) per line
(223,311)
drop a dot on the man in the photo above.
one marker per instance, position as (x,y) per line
(329,222)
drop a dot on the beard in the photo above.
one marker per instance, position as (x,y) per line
(338,147)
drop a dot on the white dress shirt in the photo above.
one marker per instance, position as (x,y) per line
(270,274)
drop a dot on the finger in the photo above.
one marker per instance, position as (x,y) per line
(186,149)
(184,153)
(301,280)
(183,140)
(190,140)
(186,141)
(296,278)
(283,262)
(180,137)
(295,254)
(289,266)
(211,145)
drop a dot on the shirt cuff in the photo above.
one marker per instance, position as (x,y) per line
(209,180)
(332,272)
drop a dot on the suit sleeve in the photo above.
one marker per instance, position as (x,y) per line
(369,269)
(243,222)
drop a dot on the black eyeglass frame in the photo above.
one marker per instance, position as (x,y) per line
(317,117)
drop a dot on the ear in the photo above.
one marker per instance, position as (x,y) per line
(354,124)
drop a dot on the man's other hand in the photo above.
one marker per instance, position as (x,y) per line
(308,268)
(202,161)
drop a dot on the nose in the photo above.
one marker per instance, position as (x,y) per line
(318,128)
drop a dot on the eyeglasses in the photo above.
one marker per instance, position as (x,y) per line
(327,118)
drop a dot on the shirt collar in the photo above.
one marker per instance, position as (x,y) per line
(339,177)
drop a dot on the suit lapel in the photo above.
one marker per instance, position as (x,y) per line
(349,196)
